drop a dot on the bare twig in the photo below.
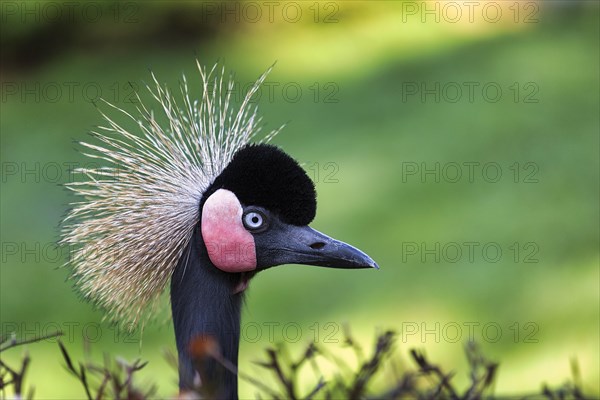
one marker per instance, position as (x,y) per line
(13,342)
(430,369)
(116,375)
(370,367)
(16,378)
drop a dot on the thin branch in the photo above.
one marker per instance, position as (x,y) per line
(233,369)
(13,342)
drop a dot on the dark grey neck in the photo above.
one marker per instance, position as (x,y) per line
(202,304)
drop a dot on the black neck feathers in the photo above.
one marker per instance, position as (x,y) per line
(202,305)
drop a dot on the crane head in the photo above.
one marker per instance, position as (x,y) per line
(194,181)
(255,215)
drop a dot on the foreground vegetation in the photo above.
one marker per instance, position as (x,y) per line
(115,378)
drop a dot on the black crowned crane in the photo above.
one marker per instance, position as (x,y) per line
(192,201)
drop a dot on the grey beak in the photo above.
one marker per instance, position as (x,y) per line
(290,244)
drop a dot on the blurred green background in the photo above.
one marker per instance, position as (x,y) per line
(374,95)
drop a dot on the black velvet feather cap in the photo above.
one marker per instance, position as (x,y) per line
(263,175)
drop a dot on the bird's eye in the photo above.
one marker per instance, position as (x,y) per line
(254,220)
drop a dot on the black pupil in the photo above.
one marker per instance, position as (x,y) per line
(255,219)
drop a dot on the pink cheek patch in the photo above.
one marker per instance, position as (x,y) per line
(230,246)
